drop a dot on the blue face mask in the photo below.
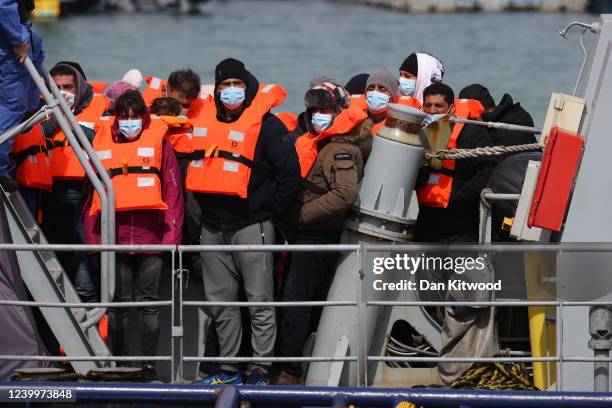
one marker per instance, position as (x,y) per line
(232,97)
(321,121)
(377,101)
(130,128)
(407,86)
(430,119)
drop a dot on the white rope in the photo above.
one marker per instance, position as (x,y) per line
(457,154)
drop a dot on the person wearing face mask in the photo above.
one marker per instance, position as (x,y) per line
(149,204)
(449,213)
(381,88)
(417,72)
(331,152)
(244,172)
(449,199)
(61,207)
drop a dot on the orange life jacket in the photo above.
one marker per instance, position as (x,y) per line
(98,87)
(227,149)
(64,163)
(306,144)
(179,133)
(437,191)
(409,101)
(32,160)
(135,167)
(153,89)
(289,119)
(358,101)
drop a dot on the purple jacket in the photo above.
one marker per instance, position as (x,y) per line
(146,226)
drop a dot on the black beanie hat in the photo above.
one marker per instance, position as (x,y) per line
(411,64)
(230,68)
(357,84)
(478,92)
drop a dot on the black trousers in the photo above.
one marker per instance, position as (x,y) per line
(309,276)
(137,280)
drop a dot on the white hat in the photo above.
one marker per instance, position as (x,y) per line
(133,77)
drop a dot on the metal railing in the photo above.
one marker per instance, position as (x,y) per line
(57,108)
(361,357)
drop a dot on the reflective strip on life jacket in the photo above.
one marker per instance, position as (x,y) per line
(153,89)
(216,174)
(135,167)
(32,160)
(437,191)
(64,163)
(306,144)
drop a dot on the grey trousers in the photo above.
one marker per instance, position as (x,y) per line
(223,272)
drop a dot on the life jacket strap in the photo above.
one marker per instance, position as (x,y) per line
(120,171)
(21,156)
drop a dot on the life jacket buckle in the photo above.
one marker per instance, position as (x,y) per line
(210,151)
(124,167)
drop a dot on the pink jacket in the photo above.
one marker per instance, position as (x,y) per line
(146,226)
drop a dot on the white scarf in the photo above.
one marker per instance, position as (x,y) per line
(430,70)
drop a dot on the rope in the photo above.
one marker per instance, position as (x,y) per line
(44,109)
(495,376)
(456,154)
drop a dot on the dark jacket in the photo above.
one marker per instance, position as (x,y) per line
(267,197)
(66,195)
(509,112)
(459,222)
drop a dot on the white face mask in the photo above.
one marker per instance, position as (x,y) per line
(69,97)
(130,128)
(321,121)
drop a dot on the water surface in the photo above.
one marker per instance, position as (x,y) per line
(290,42)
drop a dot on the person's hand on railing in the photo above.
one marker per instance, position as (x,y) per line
(21,52)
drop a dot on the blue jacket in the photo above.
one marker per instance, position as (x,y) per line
(12,31)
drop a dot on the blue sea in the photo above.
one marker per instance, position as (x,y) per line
(290,42)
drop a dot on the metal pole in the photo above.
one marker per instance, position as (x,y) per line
(496,125)
(84,160)
(601,371)
(600,328)
(362,317)
(108,212)
(25,126)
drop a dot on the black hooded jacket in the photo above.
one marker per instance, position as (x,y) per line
(65,198)
(509,112)
(266,197)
